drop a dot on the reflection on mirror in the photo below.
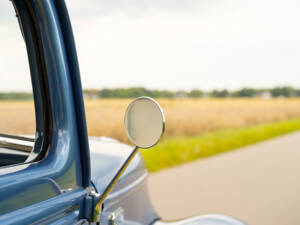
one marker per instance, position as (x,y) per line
(144,122)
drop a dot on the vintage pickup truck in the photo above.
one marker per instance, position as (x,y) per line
(60,176)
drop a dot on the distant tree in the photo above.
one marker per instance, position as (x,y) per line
(283,91)
(162,94)
(135,92)
(105,93)
(219,94)
(245,92)
(195,93)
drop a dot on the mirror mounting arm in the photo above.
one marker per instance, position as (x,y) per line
(112,184)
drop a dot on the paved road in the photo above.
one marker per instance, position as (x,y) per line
(259,184)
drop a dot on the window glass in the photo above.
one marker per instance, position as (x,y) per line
(17,114)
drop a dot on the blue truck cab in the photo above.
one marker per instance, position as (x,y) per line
(60,175)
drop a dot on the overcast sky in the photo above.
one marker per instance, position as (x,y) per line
(173,44)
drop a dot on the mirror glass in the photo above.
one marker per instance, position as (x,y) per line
(144,122)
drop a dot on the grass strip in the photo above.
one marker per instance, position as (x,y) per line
(175,151)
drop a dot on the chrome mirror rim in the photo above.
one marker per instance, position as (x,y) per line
(162,117)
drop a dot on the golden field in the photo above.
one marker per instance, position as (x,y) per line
(184,117)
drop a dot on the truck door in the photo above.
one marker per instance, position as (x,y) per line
(44,177)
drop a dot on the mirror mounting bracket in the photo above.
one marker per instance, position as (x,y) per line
(96,200)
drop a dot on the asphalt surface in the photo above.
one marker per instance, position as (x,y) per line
(258,184)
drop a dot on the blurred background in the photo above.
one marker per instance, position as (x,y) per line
(227,76)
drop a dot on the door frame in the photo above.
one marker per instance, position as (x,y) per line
(53,187)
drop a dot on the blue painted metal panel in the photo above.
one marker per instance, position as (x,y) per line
(60,208)
(71,54)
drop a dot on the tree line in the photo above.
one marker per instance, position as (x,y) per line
(6,96)
(196,93)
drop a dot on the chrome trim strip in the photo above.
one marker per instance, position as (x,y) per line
(212,219)
(16,143)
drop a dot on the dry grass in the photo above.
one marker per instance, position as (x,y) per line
(190,117)
(17,117)
(184,117)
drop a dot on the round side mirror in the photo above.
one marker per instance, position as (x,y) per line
(144,122)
